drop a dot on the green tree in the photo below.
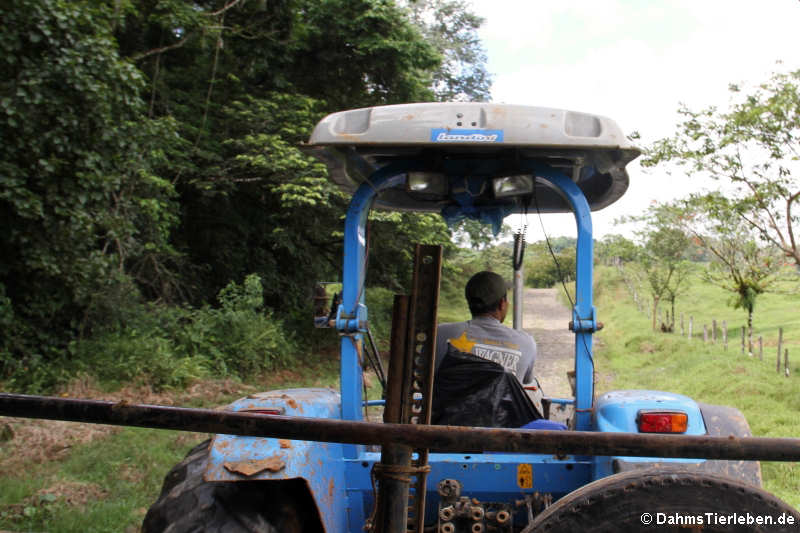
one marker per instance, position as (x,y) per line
(453,30)
(740,263)
(662,256)
(752,150)
(245,82)
(614,249)
(83,201)
(543,269)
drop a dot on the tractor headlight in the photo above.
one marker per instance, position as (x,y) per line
(512,185)
(433,183)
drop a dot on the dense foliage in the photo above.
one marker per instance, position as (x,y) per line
(150,154)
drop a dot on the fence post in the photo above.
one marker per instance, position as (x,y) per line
(760,348)
(691,320)
(786,362)
(780,344)
(742,340)
(705,333)
(683,331)
(725,333)
(714,330)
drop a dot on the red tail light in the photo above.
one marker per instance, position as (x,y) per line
(662,421)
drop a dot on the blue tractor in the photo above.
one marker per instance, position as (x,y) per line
(482,161)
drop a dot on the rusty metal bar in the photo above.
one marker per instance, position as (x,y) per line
(420,348)
(445,438)
(390,513)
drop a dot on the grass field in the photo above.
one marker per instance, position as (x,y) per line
(632,356)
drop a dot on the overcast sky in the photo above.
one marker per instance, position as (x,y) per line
(634,61)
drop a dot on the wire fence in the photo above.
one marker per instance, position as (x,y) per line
(714,331)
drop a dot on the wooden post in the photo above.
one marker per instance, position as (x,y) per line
(714,330)
(780,345)
(691,320)
(743,328)
(683,331)
(786,362)
(725,333)
(705,333)
(760,348)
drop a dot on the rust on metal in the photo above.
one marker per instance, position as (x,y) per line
(445,438)
(256,466)
(290,401)
(419,367)
(391,500)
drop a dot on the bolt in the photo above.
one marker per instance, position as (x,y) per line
(448,527)
(477,513)
(477,528)
(447,513)
(503,517)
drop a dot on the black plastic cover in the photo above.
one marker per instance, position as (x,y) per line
(471,391)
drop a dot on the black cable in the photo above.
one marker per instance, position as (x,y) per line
(550,249)
(375,361)
(558,267)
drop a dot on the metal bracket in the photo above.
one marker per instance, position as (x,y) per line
(347,323)
(584,325)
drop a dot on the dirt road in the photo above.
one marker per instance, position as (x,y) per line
(546,318)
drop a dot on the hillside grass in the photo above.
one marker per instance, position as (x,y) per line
(632,356)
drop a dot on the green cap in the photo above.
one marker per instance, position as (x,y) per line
(485,289)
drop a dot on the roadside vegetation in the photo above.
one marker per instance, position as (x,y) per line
(94,478)
(152,175)
(633,356)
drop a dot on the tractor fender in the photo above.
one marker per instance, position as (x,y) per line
(720,421)
(271,460)
(617,411)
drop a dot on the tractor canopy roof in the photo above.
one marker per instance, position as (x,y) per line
(475,147)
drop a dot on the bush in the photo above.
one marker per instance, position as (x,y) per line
(541,270)
(380,302)
(170,346)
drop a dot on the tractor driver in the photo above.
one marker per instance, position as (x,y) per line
(485,336)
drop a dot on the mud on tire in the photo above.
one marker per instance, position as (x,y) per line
(619,503)
(188,504)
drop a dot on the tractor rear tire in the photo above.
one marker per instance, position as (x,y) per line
(188,504)
(658,500)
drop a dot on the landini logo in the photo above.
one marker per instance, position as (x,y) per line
(468,136)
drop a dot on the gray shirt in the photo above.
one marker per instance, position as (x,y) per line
(486,337)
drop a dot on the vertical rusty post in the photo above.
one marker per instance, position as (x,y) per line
(780,346)
(760,348)
(714,331)
(421,347)
(390,513)
(400,502)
